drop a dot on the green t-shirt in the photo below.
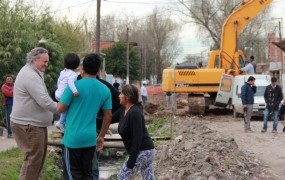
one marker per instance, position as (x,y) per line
(80,126)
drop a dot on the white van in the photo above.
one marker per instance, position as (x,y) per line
(230,93)
(261,81)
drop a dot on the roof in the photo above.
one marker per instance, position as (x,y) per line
(280,44)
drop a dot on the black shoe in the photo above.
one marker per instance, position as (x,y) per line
(274,131)
(284,129)
(263,130)
(10,136)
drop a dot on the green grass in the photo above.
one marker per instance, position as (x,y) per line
(157,127)
(11,161)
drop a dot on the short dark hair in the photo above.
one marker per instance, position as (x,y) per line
(273,79)
(131,92)
(252,57)
(91,63)
(251,78)
(71,61)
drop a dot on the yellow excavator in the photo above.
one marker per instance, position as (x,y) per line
(202,85)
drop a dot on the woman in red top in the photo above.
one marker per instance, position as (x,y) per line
(7,91)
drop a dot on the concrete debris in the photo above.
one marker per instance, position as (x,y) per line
(203,154)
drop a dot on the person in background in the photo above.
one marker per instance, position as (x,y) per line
(124,83)
(282,111)
(7,91)
(273,96)
(66,78)
(144,95)
(253,63)
(80,135)
(247,97)
(248,68)
(116,85)
(169,101)
(32,112)
(135,137)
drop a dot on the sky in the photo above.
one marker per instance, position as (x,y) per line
(74,10)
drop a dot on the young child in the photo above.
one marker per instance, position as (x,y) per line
(67,78)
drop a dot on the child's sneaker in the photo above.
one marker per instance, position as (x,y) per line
(60,126)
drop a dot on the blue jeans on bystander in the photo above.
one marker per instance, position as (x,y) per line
(8,110)
(266,115)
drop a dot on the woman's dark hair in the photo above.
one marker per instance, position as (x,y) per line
(131,92)
(91,64)
(71,61)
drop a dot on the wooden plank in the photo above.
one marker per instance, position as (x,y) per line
(113,141)
(106,144)
(117,137)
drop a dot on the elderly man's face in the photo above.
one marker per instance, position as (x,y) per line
(42,63)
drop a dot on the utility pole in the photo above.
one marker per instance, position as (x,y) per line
(98,28)
(128,73)
(87,35)
(90,41)
(141,76)
(282,60)
(144,67)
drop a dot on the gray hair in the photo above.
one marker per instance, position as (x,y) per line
(35,54)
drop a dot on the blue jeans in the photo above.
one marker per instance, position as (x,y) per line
(95,165)
(144,101)
(8,110)
(266,114)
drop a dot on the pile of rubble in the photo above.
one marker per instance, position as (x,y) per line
(199,153)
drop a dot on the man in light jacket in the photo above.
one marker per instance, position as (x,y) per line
(32,112)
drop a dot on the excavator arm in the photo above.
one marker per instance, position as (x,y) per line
(232,28)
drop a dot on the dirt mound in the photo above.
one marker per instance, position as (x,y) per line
(151,108)
(201,153)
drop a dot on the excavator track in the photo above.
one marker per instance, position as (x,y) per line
(196,104)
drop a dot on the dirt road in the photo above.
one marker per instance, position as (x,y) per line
(268,147)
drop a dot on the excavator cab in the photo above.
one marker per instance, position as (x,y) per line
(233,65)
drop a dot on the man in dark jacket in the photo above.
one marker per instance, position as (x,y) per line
(247,96)
(273,96)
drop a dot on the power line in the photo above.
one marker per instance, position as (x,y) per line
(131,2)
(76,5)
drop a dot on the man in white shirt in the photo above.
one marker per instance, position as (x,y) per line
(248,69)
(144,95)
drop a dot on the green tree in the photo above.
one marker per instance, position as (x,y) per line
(15,37)
(116,61)
(20,29)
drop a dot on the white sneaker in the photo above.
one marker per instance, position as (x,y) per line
(60,126)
